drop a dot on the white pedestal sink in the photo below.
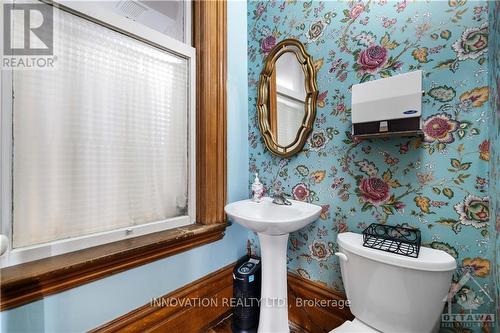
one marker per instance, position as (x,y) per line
(273,223)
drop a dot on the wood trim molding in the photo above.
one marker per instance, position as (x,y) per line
(28,282)
(273,105)
(218,286)
(328,312)
(180,319)
(209,37)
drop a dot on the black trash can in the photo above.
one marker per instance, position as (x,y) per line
(246,294)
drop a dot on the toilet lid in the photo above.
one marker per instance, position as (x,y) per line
(431,260)
(354,326)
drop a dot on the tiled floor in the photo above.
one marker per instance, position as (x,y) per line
(225,327)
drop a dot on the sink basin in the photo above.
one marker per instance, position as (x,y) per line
(271,219)
(273,223)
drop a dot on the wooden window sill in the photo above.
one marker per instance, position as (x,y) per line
(35,280)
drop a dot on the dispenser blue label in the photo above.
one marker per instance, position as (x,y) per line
(251,278)
(410,112)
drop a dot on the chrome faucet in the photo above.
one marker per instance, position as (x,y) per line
(280,199)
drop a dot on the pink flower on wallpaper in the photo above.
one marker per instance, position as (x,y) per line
(374,190)
(372,59)
(399,205)
(301,192)
(397,65)
(400,6)
(356,10)
(439,128)
(386,22)
(340,108)
(342,227)
(404,147)
(268,43)
(438,204)
(260,9)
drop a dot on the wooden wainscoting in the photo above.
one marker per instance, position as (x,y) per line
(180,317)
(329,312)
(190,317)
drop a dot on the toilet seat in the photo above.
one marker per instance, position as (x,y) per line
(354,326)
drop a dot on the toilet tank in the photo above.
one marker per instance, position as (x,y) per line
(393,293)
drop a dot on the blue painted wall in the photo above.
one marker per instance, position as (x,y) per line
(237,101)
(90,305)
(93,304)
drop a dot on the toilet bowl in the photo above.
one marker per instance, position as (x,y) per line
(392,293)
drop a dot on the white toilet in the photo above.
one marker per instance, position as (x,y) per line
(392,293)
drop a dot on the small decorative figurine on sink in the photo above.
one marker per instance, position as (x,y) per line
(257,189)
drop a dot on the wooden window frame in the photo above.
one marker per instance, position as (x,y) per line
(35,280)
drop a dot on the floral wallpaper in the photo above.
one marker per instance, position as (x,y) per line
(494,83)
(437,183)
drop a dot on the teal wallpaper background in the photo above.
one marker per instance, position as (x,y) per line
(438,183)
(494,128)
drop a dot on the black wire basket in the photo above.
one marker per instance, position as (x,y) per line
(398,240)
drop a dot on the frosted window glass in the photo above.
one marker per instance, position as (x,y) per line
(101,141)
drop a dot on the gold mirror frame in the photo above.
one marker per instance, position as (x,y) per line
(264,92)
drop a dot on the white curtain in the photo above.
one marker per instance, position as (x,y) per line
(100,141)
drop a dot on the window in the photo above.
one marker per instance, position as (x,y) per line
(101,147)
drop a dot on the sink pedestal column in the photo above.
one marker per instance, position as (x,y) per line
(274,301)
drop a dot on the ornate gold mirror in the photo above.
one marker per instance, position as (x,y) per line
(286,102)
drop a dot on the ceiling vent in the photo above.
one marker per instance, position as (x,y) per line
(131,9)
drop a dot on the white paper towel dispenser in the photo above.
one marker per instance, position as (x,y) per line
(390,106)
